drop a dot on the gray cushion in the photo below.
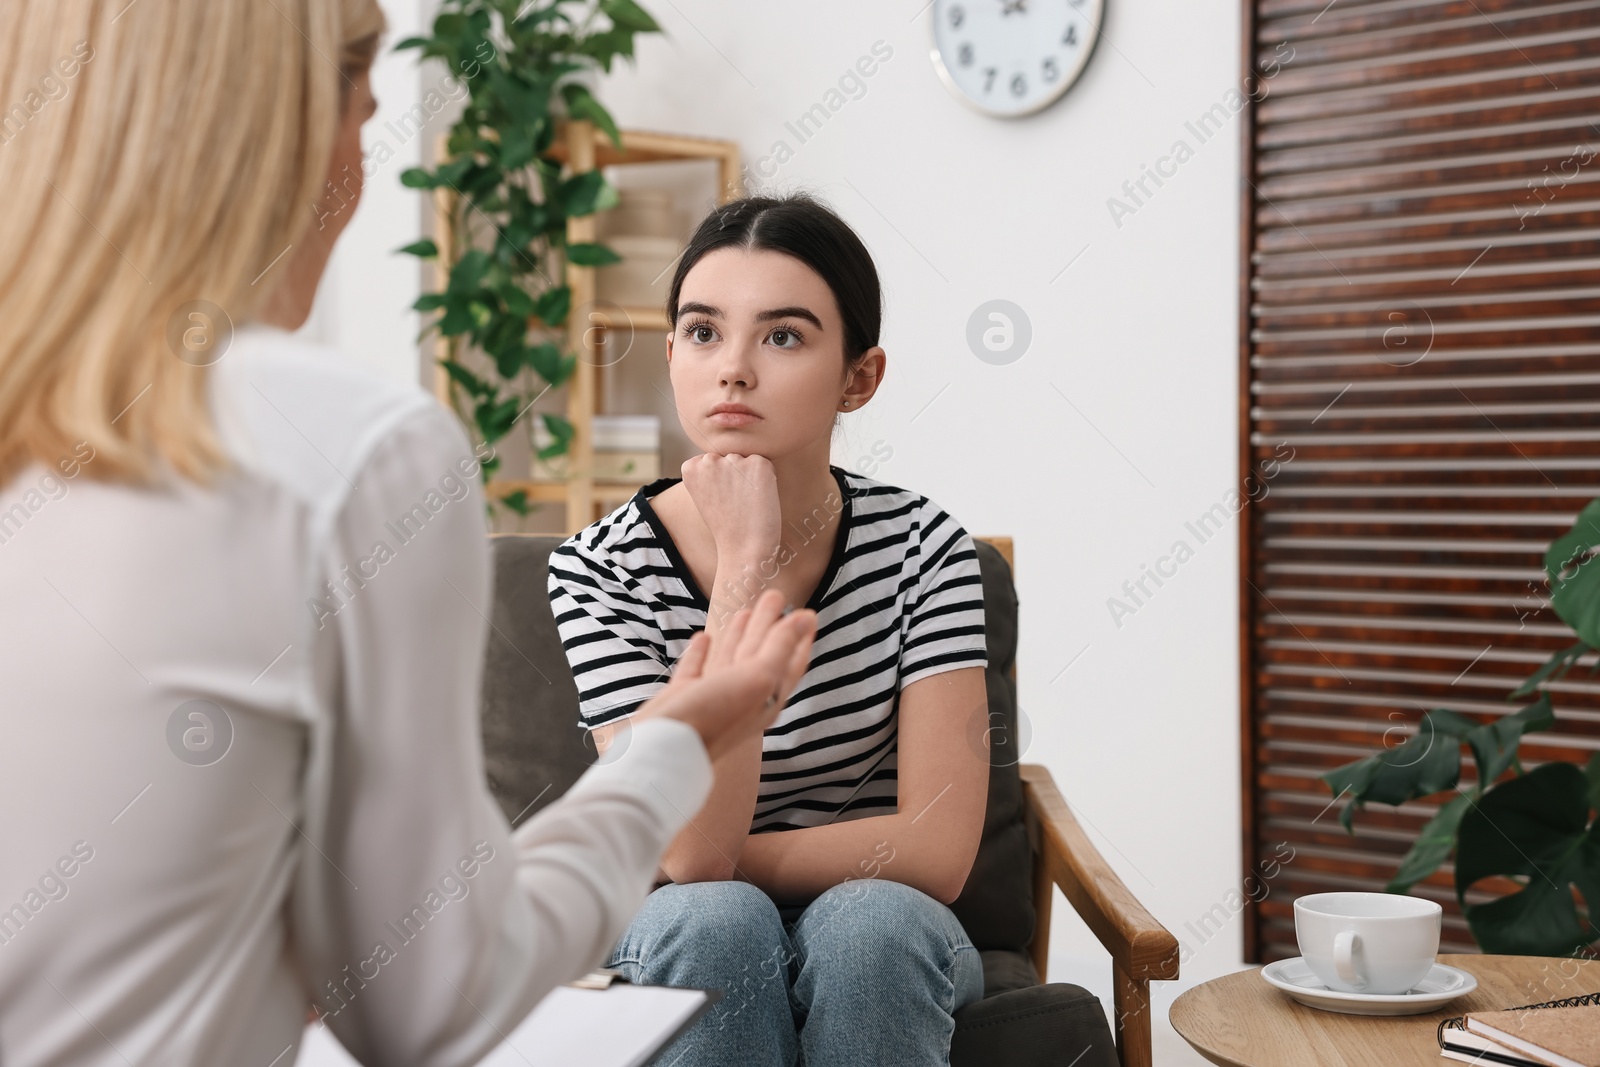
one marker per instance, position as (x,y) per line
(1055,1025)
(1004,970)
(533,747)
(996,906)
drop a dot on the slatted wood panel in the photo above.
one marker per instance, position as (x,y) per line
(1420,331)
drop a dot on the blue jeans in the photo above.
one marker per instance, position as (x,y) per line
(871,972)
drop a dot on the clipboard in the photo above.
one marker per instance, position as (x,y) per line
(621,1025)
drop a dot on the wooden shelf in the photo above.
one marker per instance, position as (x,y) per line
(611,493)
(642,146)
(635,317)
(582,147)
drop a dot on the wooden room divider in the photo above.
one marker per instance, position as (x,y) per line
(1419,390)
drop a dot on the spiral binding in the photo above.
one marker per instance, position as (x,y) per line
(1459,1022)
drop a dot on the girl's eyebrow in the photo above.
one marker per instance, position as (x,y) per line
(793,311)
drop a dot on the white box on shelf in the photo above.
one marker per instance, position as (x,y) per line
(645,273)
(627,448)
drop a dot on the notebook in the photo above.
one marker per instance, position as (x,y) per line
(1555,1033)
(620,1026)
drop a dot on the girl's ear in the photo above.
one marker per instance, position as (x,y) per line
(867,376)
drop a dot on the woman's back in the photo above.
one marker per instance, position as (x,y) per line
(163,668)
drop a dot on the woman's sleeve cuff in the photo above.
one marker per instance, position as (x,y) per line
(661,759)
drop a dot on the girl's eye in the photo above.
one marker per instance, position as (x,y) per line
(704,333)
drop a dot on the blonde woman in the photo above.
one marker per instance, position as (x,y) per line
(239,750)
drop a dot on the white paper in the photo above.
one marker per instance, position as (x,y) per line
(618,1027)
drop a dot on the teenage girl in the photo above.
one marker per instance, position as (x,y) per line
(812,887)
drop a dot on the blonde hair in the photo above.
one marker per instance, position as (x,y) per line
(153,154)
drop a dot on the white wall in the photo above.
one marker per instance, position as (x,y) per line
(1094,448)
(363,304)
(1092,451)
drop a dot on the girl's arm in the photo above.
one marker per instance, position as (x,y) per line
(931,841)
(708,848)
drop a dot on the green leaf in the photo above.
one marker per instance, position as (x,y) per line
(591,255)
(1432,846)
(1428,762)
(468,271)
(458,318)
(553,304)
(517,301)
(544,14)
(466,379)
(517,146)
(452,172)
(413,42)
(417,178)
(1534,827)
(479,182)
(424,248)
(581,104)
(605,46)
(495,418)
(1557,665)
(545,359)
(1575,577)
(449,24)
(561,432)
(586,193)
(1494,744)
(430,301)
(509,363)
(627,15)
(517,501)
(1591,775)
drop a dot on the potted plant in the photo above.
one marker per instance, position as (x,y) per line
(528,66)
(1537,827)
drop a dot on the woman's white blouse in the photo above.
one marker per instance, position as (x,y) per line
(240,763)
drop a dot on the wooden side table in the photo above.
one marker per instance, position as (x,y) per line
(1239,1020)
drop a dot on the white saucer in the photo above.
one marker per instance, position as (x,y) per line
(1438,987)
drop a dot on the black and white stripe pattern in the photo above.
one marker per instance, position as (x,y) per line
(901,600)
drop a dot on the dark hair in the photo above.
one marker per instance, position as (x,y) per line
(801,226)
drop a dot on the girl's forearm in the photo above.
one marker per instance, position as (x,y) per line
(708,848)
(794,866)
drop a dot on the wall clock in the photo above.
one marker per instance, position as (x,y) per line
(1013,57)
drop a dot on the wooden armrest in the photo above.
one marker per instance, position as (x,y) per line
(1139,945)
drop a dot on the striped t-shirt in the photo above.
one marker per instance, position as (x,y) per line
(901,600)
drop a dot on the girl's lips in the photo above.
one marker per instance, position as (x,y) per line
(734,418)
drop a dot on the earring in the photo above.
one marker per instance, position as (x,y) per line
(847,403)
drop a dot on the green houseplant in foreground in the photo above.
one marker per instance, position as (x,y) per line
(523,64)
(1537,827)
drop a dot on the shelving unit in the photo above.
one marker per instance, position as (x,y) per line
(580,146)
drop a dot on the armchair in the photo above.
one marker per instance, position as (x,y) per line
(534,752)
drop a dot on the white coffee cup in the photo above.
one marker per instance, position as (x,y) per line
(1367,942)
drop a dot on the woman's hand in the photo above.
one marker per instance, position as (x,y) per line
(732,689)
(737,497)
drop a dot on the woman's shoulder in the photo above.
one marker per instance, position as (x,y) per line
(259,355)
(310,416)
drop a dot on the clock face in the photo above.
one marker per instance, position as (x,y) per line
(1013,57)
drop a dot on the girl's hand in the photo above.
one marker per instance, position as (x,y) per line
(737,497)
(732,689)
